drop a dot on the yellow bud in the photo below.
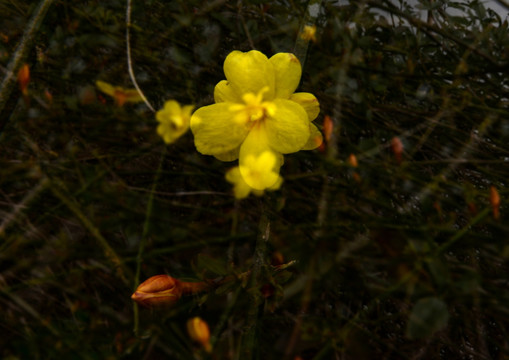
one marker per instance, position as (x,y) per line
(199,331)
(308,33)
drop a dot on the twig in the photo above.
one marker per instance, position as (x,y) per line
(59,191)
(129,61)
(21,52)
(11,218)
(244,25)
(301,44)
(248,346)
(143,241)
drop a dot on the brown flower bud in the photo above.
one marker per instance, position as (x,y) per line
(397,148)
(495,202)
(158,291)
(199,331)
(328,127)
(24,78)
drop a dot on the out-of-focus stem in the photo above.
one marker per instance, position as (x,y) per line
(248,345)
(21,52)
(17,209)
(301,44)
(59,191)
(143,241)
(129,60)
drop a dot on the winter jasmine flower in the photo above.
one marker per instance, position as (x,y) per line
(308,33)
(120,94)
(257,116)
(255,172)
(173,120)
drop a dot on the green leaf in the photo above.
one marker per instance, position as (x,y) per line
(428,316)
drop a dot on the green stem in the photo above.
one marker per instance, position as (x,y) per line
(59,191)
(143,241)
(301,45)
(458,235)
(248,345)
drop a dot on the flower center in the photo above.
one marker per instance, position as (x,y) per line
(254,108)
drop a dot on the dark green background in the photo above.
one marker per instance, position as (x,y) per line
(408,262)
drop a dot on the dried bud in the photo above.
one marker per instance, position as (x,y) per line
(24,78)
(199,331)
(277,259)
(495,202)
(157,291)
(267,290)
(352,160)
(397,148)
(328,126)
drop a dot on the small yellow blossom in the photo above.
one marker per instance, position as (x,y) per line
(120,94)
(257,116)
(255,173)
(173,120)
(308,33)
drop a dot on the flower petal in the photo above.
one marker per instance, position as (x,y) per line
(223,92)
(174,120)
(288,129)
(288,72)
(309,102)
(105,87)
(241,189)
(259,164)
(258,172)
(315,138)
(249,73)
(215,129)
(229,155)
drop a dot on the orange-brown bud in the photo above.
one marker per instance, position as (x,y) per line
(267,290)
(199,331)
(24,78)
(352,160)
(495,202)
(48,96)
(397,148)
(158,291)
(328,126)
(277,259)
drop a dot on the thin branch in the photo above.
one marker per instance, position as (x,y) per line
(129,61)
(11,217)
(21,52)
(143,241)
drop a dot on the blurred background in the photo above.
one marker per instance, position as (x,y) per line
(390,241)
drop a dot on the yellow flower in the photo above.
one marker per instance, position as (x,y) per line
(256,112)
(174,120)
(308,33)
(120,94)
(255,173)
